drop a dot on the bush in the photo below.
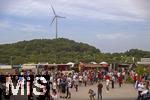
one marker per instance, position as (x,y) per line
(139,70)
(129,80)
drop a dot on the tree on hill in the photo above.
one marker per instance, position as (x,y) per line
(53,51)
(62,51)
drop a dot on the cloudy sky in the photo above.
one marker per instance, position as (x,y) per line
(110,25)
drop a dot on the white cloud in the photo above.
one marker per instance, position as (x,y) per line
(123,36)
(122,10)
(113,36)
(117,42)
(23,7)
(21,27)
(14,31)
(28,18)
(143,7)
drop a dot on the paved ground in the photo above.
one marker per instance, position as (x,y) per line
(126,92)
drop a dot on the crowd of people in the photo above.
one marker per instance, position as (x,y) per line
(59,85)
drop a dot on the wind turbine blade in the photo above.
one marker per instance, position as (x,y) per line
(61,17)
(53,10)
(53,20)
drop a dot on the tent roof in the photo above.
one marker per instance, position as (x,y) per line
(103,63)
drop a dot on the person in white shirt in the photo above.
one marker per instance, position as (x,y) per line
(68,90)
(76,82)
(54,86)
(118,74)
(58,84)
(80,80)
(107,85)
(140,89)
(54,96)
(85,79)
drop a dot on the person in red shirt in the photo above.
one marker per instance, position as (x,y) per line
(120,80)
(107,77)
(134,78)
(141,78)
(100,76)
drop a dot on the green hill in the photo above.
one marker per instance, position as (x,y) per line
(62,51)
(53,51)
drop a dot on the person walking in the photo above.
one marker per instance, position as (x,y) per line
(85,79)
(107,83)
(63,89)
(112,81)
(76,82)
(68,90)
(99,92)
(54,96)
(120,81)
(54,86)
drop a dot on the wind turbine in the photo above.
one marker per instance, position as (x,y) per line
(56,20)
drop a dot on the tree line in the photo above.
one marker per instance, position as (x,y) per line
(62,51)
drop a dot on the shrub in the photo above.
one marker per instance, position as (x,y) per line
(129,79)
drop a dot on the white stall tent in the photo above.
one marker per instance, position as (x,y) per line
(5,67)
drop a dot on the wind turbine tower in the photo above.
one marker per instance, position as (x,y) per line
(56,17)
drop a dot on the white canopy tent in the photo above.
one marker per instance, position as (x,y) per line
(5,67)
(71,63)
(104,63)
(93,62)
